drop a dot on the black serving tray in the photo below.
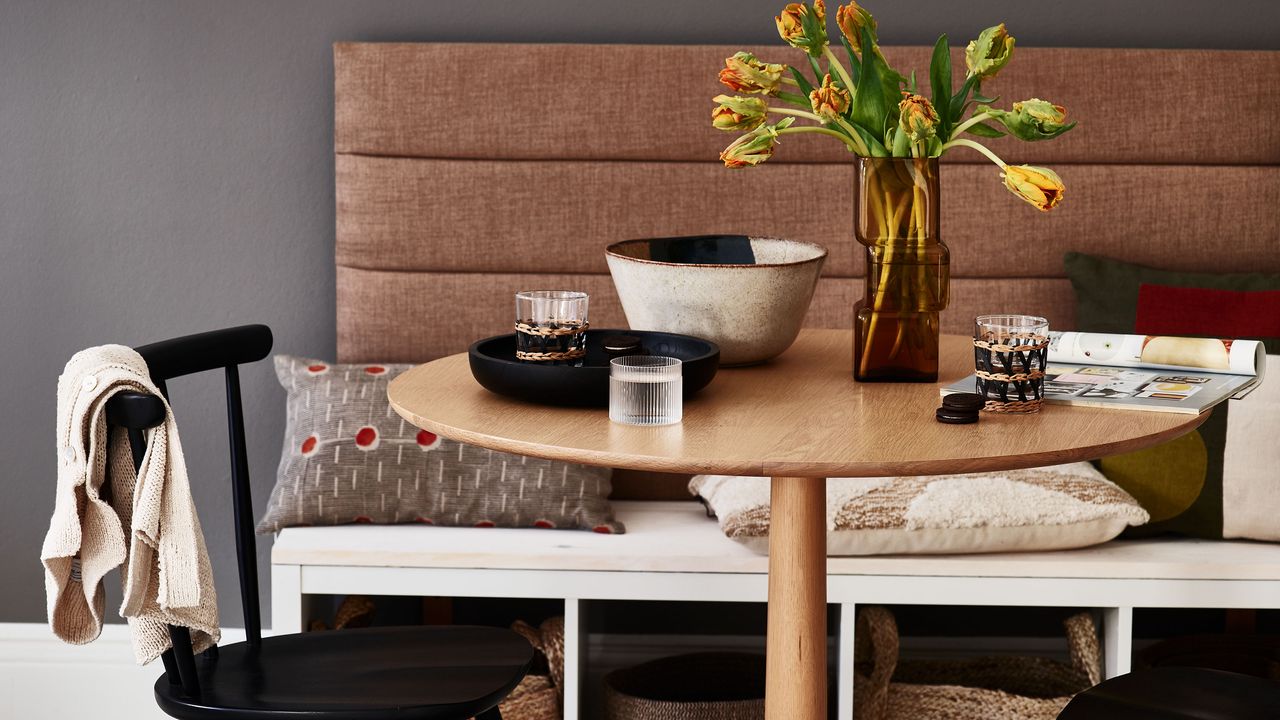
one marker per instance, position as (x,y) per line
(494,366)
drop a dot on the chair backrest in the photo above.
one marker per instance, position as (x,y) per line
(136,412)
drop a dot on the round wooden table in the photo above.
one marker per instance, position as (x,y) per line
(799,419)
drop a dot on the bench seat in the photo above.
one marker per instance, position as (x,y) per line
(673,552)
(679,537)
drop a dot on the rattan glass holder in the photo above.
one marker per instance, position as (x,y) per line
(552,343)
(551,325)
(1010,353)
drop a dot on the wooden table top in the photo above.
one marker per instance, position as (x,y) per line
(799,415)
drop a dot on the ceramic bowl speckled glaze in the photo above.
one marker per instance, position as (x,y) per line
(749,295)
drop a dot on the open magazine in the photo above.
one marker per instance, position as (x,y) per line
(1145,372)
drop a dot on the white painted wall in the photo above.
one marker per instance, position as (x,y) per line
(166,166)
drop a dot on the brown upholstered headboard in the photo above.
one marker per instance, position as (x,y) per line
(466,172)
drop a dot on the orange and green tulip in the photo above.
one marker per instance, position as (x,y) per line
(851,19)
(987,55)
(738,114)
(755,147)
(829,101)
(1033,119)
(1039,186)
(917,117)
(745,74)
(804,27)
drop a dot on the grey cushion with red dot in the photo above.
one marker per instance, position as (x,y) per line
(349,458)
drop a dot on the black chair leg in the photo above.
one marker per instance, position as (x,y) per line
(490,714)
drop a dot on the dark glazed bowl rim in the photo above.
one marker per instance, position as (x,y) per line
(588,385)
(474,349)
(613,249)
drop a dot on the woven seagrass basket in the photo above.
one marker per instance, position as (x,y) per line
(699,686)
(993,688)
(537,697)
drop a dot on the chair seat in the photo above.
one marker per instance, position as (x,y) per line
(1176,693)
(423,673)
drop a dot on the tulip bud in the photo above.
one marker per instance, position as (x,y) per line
(990,52)
(851,18)
(804,27)
(745,74)
(755,147)
(829,101)
(916,117)
(1033,119)
(738,114)
(1039,186)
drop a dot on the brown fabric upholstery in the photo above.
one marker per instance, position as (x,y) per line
(442,213)
(410,316)
(653,102)
(546,216)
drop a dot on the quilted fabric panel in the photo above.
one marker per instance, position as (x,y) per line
(349,458)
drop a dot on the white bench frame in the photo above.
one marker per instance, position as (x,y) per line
(672,552)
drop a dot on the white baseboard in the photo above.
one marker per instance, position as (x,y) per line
(43,678)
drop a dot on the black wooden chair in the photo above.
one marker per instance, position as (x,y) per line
(423,673)
(1177,693)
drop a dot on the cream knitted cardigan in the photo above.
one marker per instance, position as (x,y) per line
(167,579)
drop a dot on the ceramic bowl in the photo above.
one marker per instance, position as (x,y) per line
(749,295)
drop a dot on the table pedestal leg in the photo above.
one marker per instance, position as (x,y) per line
(796,662)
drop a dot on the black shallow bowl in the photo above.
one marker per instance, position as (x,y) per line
(494,366)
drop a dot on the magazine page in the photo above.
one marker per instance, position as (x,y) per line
(1152,389)
(1235,357)
(1132,388)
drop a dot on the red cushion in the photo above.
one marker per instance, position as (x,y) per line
(1169,310)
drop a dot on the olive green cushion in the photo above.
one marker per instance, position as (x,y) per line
(1180,483)
(1107,290)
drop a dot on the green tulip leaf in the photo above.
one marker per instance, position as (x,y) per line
(984,130)
(817,69)
(892,79)
(854,64)
(901,143)
(874,145)
(960,100)
(871,110)
(797,100)
(805,86)
(940,83)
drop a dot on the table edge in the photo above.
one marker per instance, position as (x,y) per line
(769,468)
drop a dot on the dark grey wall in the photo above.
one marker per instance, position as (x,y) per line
(166,166)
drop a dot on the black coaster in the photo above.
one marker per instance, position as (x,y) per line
(955,417)
(621,345)
(965,402)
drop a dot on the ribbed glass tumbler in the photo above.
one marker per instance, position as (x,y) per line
(645,390)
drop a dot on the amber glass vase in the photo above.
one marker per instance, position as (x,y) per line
(895,336)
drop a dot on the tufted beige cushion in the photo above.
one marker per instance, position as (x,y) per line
(1050,508)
